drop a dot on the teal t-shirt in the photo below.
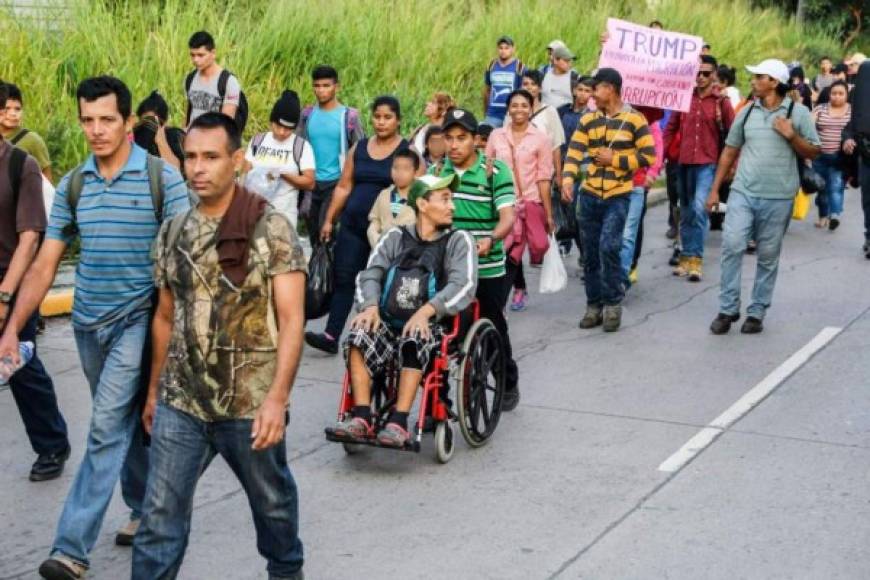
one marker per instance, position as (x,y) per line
(325,134)
(768,164)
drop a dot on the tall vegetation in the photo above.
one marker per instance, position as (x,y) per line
(406,47)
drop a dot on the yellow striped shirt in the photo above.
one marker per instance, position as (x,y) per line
(627,134)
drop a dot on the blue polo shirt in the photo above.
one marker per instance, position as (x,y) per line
(117,227)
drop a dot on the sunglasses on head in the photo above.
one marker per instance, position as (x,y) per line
(704,73)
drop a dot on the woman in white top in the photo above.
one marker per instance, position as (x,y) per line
(436,108)
(727,79)
(280,164)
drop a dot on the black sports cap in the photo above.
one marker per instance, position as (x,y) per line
(504,38)
(461,117)
(610,76)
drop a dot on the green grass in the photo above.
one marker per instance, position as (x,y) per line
(409,48)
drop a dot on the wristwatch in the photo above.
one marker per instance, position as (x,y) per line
(5,297)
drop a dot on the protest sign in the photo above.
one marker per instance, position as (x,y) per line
(658,67)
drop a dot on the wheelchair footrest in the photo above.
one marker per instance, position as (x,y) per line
(410,445)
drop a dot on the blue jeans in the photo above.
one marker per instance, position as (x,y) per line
(182,447)
(830,201)
(34,396)
(351,255)
(111,358)
(629,234)
(602,223)
(765,221)
(694,184)
(494,122)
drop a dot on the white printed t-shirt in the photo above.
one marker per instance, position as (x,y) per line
(270,159)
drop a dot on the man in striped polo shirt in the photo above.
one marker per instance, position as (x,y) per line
(617,139)
(484,206)
(116,221)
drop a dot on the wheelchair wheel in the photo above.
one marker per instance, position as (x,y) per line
(352,449)
(444,441)
(481,383)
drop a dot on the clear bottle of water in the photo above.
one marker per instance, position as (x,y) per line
(9,368)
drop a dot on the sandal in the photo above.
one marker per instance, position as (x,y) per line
(393,435)
(354,429)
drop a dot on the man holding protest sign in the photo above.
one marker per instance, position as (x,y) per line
(617,139)
(701,132)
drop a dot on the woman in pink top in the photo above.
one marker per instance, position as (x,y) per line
(527,151)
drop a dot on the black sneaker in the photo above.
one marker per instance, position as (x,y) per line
(321,342)
(722,323)
(675,256)
(62,568)
(671,234)
(751,325)
(834,223)
(49,465)
(510,399)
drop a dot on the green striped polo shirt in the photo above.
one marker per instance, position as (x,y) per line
(477,202)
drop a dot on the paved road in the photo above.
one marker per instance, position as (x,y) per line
(570,486)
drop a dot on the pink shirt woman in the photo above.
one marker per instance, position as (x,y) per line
(528,152)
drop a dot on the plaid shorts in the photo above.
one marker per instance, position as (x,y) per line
(385,345)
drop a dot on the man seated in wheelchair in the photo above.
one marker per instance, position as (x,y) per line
(416,276)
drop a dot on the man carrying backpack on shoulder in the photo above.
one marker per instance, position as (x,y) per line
(114,201)
(211,88)
(22,221)
(416,276)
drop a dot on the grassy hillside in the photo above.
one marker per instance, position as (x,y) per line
(405,47)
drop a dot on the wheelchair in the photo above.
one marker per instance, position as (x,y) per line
(470,365)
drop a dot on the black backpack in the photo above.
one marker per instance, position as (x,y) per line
(223,79)
(17,158)
(414,279)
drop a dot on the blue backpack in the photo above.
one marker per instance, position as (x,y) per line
(414,279)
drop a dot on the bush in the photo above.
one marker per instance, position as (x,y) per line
(409,48)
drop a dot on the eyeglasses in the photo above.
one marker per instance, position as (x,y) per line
(705,73)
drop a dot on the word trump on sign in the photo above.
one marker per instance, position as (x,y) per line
(658,67)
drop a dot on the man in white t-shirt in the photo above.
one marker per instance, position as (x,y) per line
(556,88)
(203,88)
(280,163)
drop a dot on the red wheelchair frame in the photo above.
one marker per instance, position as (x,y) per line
(435,412)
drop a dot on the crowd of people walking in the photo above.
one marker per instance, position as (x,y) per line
(190,288)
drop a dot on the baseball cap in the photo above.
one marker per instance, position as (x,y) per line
(460,117)
(504,38)
(610,76)
(554,44)
(773,68)
(856,59)
(426,183)
(563,52)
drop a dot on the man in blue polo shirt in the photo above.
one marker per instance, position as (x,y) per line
(117,222)
(503,76)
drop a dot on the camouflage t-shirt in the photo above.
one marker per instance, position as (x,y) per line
(222,353)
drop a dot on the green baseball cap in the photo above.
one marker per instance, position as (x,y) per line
(426,183)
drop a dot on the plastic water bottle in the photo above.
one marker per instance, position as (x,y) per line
(9,368)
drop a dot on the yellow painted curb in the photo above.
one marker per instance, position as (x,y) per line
(57,303)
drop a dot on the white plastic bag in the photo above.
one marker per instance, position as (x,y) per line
(554,277)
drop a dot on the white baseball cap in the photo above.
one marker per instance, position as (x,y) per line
(773,68)
(556,44)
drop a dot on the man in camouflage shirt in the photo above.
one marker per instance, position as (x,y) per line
(227,342)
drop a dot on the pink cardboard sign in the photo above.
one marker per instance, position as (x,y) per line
(658,67)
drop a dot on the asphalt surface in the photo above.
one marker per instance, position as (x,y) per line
(570,485)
